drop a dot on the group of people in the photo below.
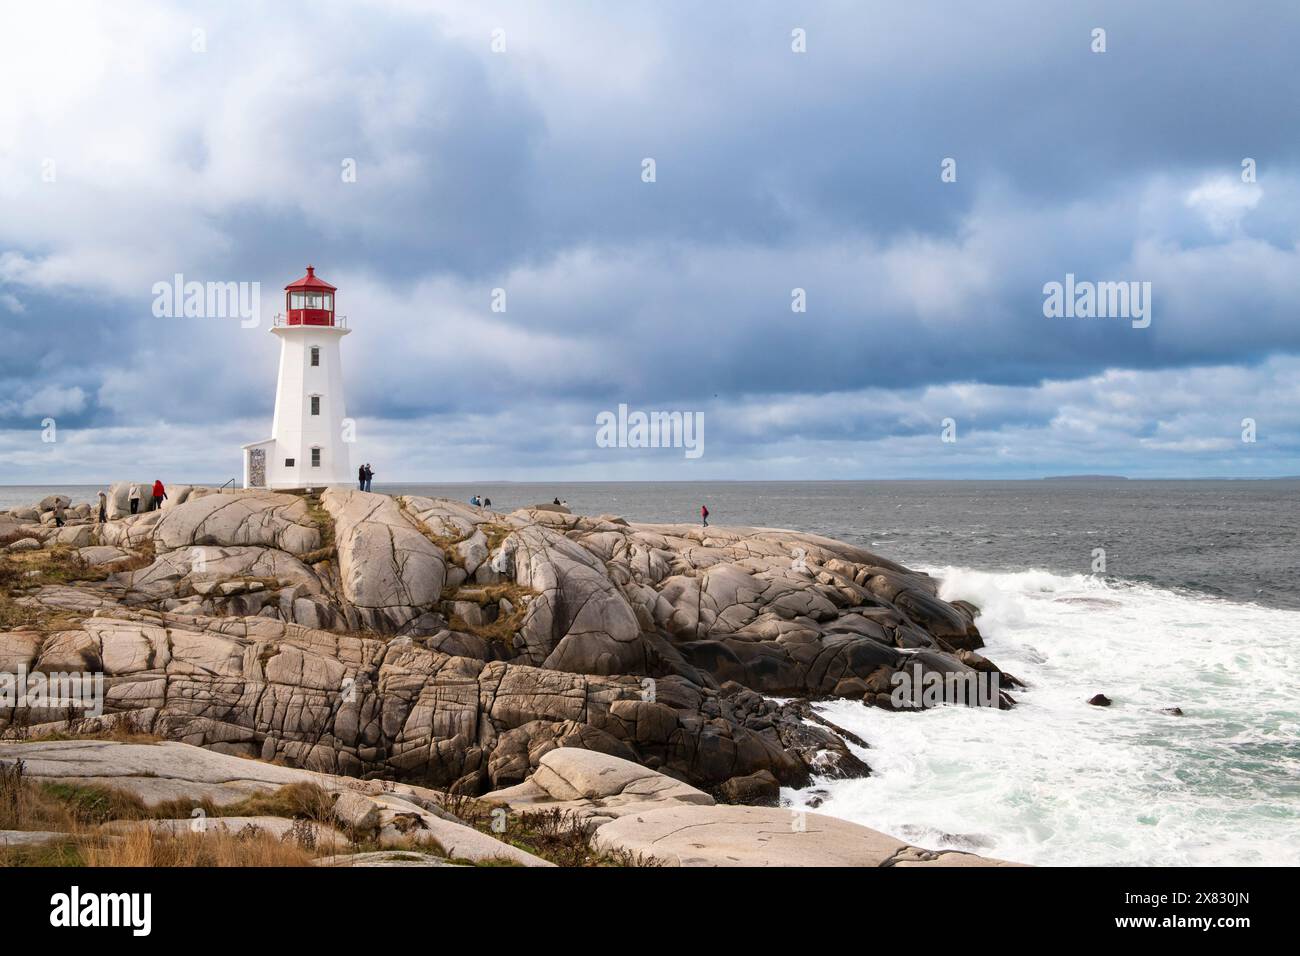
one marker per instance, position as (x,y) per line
(365,474)
(135,496)
(158,494)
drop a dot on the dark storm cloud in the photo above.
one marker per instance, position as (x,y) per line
(521,170)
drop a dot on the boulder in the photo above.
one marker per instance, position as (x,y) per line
(75,536)
(204,569)
(132,532)
(722,835)
(355,812)
(177,495)
(390,572)
(757,789)
(119,495)
(568,774)
(260,518)
(594,786)
(580,621)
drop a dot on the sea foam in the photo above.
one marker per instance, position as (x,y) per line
(1057,781)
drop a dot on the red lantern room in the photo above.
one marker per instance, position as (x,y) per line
(309,301)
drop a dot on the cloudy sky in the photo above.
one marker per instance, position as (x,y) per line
(502,146)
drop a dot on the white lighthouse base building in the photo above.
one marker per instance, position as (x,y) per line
(311,432)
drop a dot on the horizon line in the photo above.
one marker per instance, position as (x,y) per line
(707,481)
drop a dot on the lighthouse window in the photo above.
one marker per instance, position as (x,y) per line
(315,457)
(315,355)
(315,404)
(288,463)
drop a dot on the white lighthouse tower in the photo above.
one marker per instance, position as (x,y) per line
(308,447)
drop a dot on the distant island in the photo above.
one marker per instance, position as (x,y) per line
(1086,478)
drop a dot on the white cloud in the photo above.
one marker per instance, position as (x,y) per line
(53,400)
(1224,202)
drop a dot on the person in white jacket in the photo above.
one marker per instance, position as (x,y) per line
(134,497)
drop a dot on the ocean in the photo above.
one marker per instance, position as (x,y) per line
(1198,607)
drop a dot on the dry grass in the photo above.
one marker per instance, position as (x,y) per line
(325,525)
(302,801)
(57,805)
(14,616)
(60,564)
(447,543)
(495,533)
(59,853)
(142,557)
(249,847)
(13,579)
(118,733)
(564,838)
(559,836)
(142,847)
(79,811)
(504,628)
(123,729)
(12,794)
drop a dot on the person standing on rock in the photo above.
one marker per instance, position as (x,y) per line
(370,475)
(487,502)
(361,478)
(159,493)
(704,515)
(58,513)
(134,497)
(103,508)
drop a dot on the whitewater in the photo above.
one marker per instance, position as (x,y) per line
(1056,781)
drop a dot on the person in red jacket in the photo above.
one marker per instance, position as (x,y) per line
(159,493)
(704,514)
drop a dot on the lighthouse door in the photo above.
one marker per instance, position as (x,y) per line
(257,467)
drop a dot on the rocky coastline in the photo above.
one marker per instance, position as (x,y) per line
(421,653)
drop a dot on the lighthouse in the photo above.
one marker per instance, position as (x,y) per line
(310,433)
